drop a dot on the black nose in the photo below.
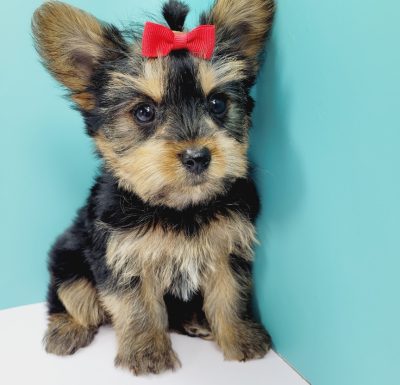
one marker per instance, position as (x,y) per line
(196,160)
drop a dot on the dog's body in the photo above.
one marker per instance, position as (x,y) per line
(165,239)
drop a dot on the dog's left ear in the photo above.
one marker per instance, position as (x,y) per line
(241,25)
(72,44)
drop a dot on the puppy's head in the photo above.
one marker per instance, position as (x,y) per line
(173,129)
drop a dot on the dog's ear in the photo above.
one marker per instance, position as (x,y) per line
(72,43)
(242,25)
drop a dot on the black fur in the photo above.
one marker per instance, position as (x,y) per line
(175,13)
(182,104)
(80,251)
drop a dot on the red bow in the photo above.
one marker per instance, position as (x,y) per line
(160,41)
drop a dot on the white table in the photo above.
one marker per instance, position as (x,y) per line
(23,361)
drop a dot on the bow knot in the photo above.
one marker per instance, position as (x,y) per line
(160,41)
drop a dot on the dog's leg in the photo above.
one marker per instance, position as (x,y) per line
(225,303)
(141,323)
(75,324)
(64,336)
(75,312)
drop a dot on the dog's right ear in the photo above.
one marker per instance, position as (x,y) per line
(72,43)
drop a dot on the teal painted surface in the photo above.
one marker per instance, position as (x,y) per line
(327,143)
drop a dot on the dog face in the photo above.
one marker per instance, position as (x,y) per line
(173,129)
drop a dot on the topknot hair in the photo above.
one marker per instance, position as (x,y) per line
(175,13)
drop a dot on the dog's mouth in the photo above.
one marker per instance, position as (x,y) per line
(197,180)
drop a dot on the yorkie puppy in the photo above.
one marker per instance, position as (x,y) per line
(165,240)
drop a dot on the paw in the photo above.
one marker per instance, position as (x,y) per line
(251,341)
(198,329)
(151,359)
(64,336)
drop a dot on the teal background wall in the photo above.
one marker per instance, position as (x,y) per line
(326,143)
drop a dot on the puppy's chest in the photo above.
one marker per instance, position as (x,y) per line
(174,260)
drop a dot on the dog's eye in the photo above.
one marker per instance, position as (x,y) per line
(145,113)
(217,105)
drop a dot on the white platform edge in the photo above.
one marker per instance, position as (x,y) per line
(24,361)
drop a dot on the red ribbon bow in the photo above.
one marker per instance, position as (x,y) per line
(160,41)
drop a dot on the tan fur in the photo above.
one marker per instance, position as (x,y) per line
(64,336)
(150,83)
(85,100)
(158,256)
(216,74)
(256,13)
(162,255)
(141,322)
(140,307)
(239,339)
(155,173)
(80,298)
(221,312)
(63,35)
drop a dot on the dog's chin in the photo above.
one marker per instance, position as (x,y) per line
(197,180)
(198,190)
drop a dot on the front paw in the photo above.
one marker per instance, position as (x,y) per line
(152,358)
(248,341)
